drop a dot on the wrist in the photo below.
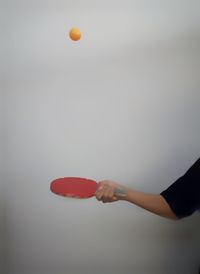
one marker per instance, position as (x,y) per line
(129,195)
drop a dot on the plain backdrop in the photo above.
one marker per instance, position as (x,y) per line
(123,103)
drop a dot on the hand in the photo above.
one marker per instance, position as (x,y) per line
(107,191)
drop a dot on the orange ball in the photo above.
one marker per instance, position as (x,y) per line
(75,34)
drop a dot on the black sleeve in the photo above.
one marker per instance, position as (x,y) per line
(183,196)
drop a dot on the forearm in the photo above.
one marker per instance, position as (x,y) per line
(154,203)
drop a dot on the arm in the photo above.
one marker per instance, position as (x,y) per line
(154,203)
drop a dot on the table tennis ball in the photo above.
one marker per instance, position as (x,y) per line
(75,34)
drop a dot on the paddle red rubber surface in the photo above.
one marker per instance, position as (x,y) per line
(74,187)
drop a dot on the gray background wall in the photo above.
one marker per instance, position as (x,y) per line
(121,104)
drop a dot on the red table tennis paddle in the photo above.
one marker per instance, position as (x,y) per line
(76,187)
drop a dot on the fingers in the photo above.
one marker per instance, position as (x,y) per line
(107,195)
(99,193)
(105,192)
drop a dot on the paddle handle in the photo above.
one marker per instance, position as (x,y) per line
(119,192)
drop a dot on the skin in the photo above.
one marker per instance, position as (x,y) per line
(154,203)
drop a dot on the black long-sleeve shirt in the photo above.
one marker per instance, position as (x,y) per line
(183,196)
